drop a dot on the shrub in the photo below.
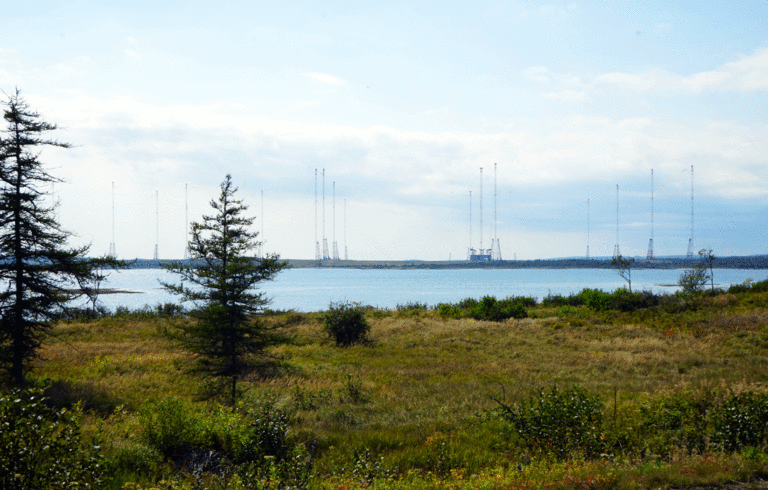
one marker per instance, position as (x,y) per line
(449,311)
(42,446)
(489,308)
(171,428)
(680,419)
(742,421)
(559,300)
(558,422)
(596,299)
(623,300)
(345,323)
(693,280)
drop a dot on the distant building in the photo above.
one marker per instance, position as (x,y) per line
(480,255)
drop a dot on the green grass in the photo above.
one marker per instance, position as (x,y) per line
(413,407)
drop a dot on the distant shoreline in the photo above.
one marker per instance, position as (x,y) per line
(732,262)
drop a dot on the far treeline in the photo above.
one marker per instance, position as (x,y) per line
(733,262)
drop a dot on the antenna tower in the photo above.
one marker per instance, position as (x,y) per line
(346,257)
(587,228)
(317,244)
(495,246)
(689,254)
(481,211)
(650,242)
(335,246)
(112,252)
(261,242)
(157,222)
(470,250)
(616,252)
(326,255)
(186,223)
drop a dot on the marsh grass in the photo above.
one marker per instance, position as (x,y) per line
(418,393)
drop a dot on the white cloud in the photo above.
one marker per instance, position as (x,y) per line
(748,74)
(568,95)
(325,79)
(537,74)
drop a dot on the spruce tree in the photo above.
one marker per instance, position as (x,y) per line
(36,267)
(226,336)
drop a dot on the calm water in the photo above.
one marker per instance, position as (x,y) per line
(314,289)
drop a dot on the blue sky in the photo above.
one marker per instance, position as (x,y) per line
(401,104)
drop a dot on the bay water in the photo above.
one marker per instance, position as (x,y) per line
(313,289)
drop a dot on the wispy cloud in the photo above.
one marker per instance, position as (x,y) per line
(748,74)
(325,79)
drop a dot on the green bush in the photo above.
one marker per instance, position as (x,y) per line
(491,309)
(742,421)
(678,420)
(345,323)
(42,447)
(596,299)
(558,423)
(172,428)
(449,311)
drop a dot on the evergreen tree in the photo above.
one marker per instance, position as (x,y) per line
(226,337)
(36,267)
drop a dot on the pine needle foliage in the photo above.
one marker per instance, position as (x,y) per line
(227,338)
(36,267)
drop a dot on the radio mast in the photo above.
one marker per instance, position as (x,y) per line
(317,243)
(496,248)
(335,246)
(326,255)
(650,242)
(112,252)
(690,240)
(616,251)
(157,222)
(186,223)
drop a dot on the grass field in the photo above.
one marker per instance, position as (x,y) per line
(418,406)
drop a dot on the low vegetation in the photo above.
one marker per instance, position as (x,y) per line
(592,390)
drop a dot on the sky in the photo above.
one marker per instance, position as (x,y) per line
(402,104)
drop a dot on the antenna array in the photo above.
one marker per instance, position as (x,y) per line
(650,242)
(335,246)
(157,222)
(186,223)
(112,251)
(616,251)
(326,255)
(689,254)
(495,247)
(346,257)
(318,257)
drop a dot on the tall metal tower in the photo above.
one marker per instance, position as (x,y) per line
(470,250)
(616,251)
(346,256)
(689,254)
(335,246)
(112,251)
(261,239)
(481,212)
(157,222)
(650,242)
(587,228)
(496,248)
(186,223)
(326,255)
(318,257)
